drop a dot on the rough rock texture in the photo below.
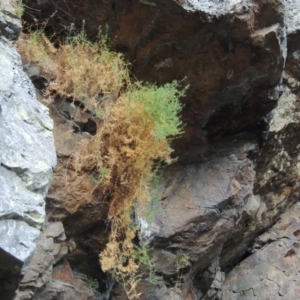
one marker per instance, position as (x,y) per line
(27,156)
(232,63)
(50,249)
(216,8)
(238,166)
(49,275)
(272,271)
(10,25)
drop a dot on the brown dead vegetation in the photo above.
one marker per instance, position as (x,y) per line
(136,123)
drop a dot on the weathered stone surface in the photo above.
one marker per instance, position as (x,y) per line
(27,156)
(10,25)
(209,201)
(71,197)
(50,249)
(292,17)
(216,8)
(274,264)
(272,271)
(20,238)
(27,150)
(232,64)
(49,275)
(64,291)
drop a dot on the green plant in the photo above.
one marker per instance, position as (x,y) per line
(182,261)
(92,283)
(141,256)
(161,105)
(103,173)
(135,134)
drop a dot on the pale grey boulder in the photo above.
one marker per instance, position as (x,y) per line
(19,238)
(17,202)
(217,8)
(10,24)
(25,124)
(27,157)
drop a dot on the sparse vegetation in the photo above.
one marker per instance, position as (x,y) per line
(141,255)
(137,121)
(182,264)
(92,283)
(18,6)
(182,261)
(151,209)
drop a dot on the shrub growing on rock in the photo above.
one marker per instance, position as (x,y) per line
(138,121)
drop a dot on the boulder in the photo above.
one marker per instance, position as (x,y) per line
(10,24)
(271,272)
(27,156)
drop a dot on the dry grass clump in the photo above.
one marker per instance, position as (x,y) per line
(133,135)
(78,68)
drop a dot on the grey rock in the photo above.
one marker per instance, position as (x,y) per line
(10,25)
(20,238)
(292,17)
(17,202)
(217,8)
(51,248)
(272,272)
(27,156)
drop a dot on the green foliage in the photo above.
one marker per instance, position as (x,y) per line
(182,264)
(103,173)
(92,283)
(142,258)
(161,104)
(100,113)
(182,261)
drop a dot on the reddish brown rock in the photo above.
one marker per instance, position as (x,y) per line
(63,273)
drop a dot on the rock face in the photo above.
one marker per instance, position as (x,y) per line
(27,156)
(238,166)
(232,63)
(49,275)
(271,272)
(10,25)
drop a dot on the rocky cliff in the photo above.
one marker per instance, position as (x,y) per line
(27,157)
(227,225)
